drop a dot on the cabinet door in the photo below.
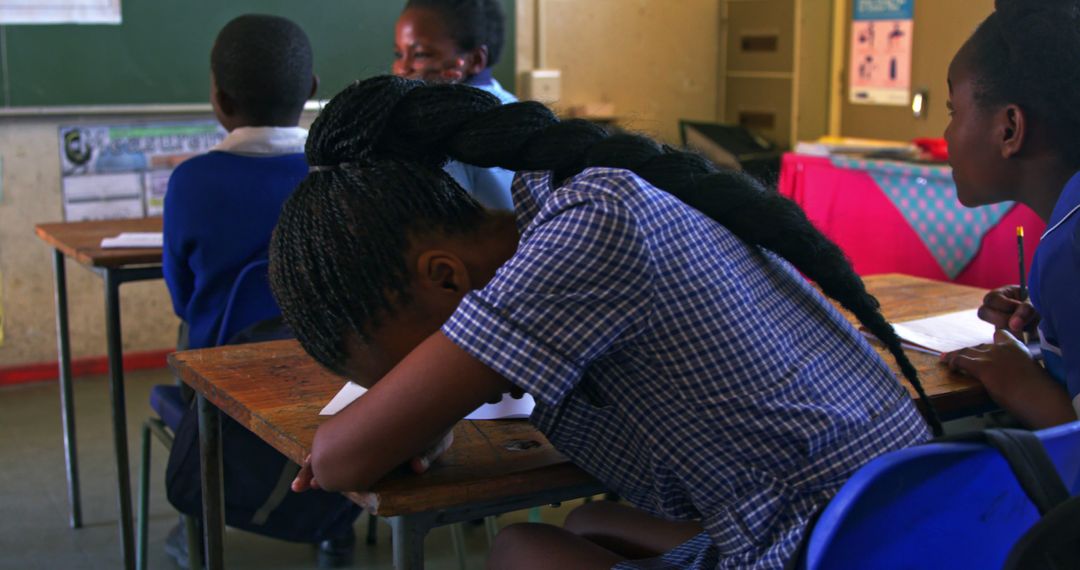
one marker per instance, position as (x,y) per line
(761,104)
(761,36)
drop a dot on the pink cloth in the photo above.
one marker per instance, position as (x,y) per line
(849,208)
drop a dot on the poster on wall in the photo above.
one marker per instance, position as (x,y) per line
(881,34)
(122,171)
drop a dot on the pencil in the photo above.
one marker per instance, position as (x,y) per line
(1020,257)
(1024,336)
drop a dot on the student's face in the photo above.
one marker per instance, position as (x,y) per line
(979,169)
(425,50)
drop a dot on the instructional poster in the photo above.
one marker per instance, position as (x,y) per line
(122,171)
(881,43)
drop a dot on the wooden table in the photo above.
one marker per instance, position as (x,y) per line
(276,390)
(81,241)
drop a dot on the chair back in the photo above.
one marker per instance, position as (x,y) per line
(250,301)
(938,505)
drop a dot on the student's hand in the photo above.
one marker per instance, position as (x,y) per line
(1000,366)
(1003,308)
(1015,381)
(422,462)
(305,479)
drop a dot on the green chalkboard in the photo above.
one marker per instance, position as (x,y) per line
(161,51)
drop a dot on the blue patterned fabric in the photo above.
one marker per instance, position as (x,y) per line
(926,197)
(696,377)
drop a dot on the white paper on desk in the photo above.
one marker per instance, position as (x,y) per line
(133,240)
(506,409)
(946,333)
(344,397)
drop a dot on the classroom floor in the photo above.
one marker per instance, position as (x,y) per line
(34,531)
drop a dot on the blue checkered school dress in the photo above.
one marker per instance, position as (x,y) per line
(695,376)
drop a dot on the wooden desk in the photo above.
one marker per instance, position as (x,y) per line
(276,390)
(81,241)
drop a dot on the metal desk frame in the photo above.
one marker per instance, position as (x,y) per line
(113,277)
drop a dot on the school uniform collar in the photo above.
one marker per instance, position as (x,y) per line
(264,141)
(1067,206)
(481,80)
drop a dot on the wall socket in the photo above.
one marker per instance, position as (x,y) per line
(543,85)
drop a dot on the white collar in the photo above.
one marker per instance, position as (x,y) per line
(264,141)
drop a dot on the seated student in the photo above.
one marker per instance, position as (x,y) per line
(457,41)
(1015,118)
(220,210)
(222,206)
(650,303)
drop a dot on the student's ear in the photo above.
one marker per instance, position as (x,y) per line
(1013,130)
(476,61)
(224,103)
(314,86)
(442,274)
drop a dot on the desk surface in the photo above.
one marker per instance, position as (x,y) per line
(81,241)
(277,391)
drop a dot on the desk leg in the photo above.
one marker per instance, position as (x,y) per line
(119,412)
(213,497)
(67,400)
(409,532)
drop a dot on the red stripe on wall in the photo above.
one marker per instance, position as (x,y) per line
(88,366)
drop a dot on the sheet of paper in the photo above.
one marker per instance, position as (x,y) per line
(948,332)
(506,409)
(133,240)
(344,397)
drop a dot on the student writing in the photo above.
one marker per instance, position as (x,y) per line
(1015,118)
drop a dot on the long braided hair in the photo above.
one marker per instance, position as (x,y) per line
(1028,53)
(376,149)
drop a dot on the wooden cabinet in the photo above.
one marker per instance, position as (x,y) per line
(775,67)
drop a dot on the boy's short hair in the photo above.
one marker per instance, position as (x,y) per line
(263,63)
(472,23)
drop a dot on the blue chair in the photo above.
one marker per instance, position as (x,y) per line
(939,505)
(250,302)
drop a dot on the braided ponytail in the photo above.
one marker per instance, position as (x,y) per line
(428,124)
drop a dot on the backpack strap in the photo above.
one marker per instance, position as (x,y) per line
(1027,458)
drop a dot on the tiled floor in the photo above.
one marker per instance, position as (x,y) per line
(33,499)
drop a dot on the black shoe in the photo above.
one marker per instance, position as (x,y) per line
(337,552)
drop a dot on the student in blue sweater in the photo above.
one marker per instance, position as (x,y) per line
(1015,119)
(220,210)
(222,206)
(457,41)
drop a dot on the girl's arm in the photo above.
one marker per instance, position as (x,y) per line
(1015,381)
(433,388)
